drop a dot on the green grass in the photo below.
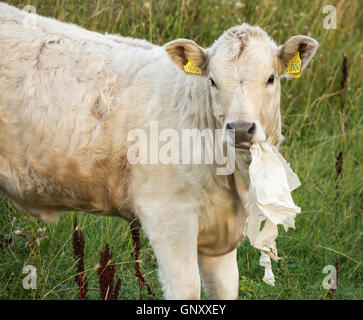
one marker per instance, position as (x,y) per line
(330,227)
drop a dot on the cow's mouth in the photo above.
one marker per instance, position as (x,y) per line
(243,145)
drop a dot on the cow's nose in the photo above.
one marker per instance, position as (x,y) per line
(244,132)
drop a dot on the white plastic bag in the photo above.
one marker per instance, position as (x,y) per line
(269,200)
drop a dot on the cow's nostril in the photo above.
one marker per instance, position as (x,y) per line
(252,130)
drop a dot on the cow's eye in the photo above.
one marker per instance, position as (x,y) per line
(212,82)
(271,79)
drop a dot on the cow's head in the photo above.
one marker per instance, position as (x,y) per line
(244,67)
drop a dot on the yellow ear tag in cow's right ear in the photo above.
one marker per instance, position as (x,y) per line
(191,67)
(294,66)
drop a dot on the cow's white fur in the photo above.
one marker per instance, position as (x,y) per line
(68,98)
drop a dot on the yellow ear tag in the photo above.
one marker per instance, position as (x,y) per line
(294,66)
(191,67)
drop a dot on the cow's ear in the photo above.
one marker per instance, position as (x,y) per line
(306,47)
(188,56)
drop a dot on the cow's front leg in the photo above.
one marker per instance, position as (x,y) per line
(173,237)
(220,275)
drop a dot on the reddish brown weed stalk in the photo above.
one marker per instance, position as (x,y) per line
(343,82)
(136,240)
(106,274)
(78,249)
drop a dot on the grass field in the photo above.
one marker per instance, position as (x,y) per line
(321,118)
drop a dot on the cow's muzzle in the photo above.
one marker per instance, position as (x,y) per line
(244,132)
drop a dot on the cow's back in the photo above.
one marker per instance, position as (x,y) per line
(63,124)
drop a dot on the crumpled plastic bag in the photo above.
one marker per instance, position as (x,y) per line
(269,200)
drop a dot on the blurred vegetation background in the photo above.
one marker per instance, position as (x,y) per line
(322,124)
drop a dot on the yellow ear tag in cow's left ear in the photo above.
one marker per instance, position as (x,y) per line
(294,66)
(191,67)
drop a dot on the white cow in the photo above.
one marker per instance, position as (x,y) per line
(68,99)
